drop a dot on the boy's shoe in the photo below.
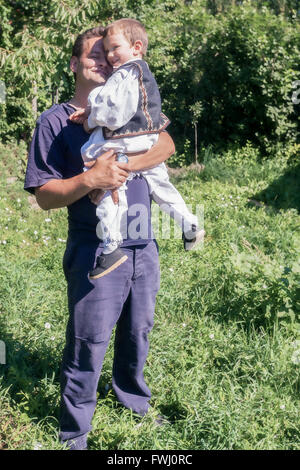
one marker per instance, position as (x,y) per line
(107,263)
(190,243)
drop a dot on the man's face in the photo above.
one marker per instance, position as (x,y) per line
(91,67)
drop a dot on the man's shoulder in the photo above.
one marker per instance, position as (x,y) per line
(57,114)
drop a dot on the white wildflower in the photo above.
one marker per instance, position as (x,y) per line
(48,220)
(212,336)
(296,357)
(47,326)
(37,446)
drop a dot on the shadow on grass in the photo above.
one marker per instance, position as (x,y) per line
(173,411)
(32,378)
(282,193)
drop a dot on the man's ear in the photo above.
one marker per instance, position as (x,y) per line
(137,47)
(74,63)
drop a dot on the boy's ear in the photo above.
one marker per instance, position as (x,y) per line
(73,63)
(138,47)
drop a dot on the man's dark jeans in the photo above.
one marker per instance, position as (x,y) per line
(125,297)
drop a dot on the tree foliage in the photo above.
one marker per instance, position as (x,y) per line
(235,61)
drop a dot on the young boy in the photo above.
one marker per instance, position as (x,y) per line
(126,116)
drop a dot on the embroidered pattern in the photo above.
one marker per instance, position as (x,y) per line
(144,99)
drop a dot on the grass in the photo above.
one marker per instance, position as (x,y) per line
(224,359)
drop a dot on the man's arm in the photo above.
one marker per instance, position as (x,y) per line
(160,152)
(106,173)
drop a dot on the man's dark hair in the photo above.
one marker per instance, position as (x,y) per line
(77,49)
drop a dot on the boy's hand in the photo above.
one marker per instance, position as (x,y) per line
(86,127)
(80,115)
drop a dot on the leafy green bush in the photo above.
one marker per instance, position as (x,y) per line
(260,290)
(248,65)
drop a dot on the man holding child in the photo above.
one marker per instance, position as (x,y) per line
(126,296)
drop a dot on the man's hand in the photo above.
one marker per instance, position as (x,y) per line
(106,173)
(162,150)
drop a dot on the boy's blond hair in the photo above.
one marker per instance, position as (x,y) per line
(132,29)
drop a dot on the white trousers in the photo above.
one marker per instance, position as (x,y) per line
(113,217)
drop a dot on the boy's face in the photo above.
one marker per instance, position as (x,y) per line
(118,50)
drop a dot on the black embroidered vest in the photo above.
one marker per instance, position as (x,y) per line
(148,119)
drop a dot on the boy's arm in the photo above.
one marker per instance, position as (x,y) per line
(116,102)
